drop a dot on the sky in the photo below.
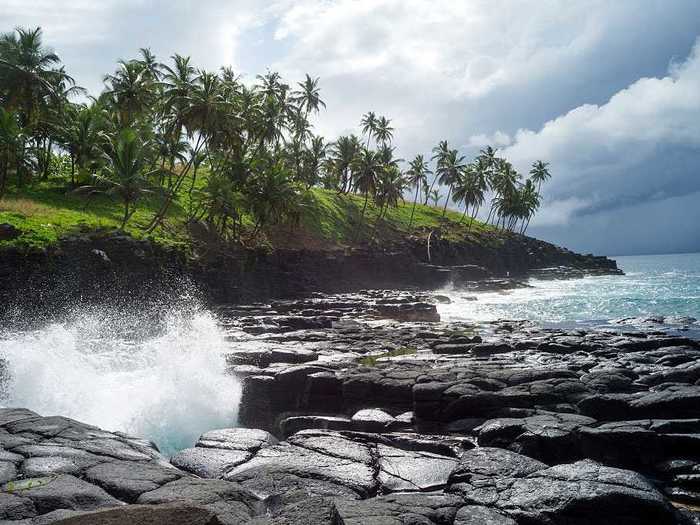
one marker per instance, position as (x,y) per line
(607,92)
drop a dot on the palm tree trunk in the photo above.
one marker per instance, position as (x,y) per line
(447,201)
(126,214)
(158,217)
(415,200)
(47,160)
(427,195)
(474,214)
(466,209)
(3,178)
(194,180)
(365,205)
(488,219)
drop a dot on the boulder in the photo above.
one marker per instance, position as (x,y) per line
(210,463)
(248,439)
(411,508)
(230,502)
(61,492)
(372,420)
(127,480)
(172,514)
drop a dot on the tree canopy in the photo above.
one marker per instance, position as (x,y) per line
(236,148)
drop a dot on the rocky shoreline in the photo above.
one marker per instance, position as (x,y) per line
(110,267)
(365,408)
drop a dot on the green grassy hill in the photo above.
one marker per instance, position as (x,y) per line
(46,211)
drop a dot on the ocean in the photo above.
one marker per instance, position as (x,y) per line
(665,287)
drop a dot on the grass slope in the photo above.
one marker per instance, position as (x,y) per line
(47,211)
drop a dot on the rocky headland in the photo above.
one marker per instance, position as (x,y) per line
(365,408)
(111,267)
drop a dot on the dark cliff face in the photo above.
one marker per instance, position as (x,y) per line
(115,268)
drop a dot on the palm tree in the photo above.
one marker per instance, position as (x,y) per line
(82,136)
(12,139)
(449,168)
(273,195)
(204,115)
(383,131)
(540,173)
(439,152)
(27,73)
(131,91)
(390,187)
(125,161)
(366,170)
(313,160)
(479,173)
(271,86)
(369,125)
(530,202)
(504,181)
(308,96)
(343,153)
(150,64)
(417,177)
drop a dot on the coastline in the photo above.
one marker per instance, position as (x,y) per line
(112,267)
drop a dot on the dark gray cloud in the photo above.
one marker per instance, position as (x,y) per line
(563,81)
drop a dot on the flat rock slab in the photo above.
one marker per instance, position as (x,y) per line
(127,480)
(230,502)
(530,492)
(248,439)
(61,492)
(209,462)
(171,514)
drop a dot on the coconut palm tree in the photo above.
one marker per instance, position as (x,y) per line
(449,168)
(12,140)
(540,173)
(343,153)
(177,84)
(383,131)
(504,182)
(368,125)
(439,152)
(28,73)
(390,188)
(131,90)
(313,159)
(273,195)
(530,198)
(82,136)
(417,177)
(308,96)
(149,63)
(366,169)
(125,162)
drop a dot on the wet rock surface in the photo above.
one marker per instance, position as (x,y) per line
(356,413)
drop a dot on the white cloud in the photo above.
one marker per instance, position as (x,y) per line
(497,139)
(605,151)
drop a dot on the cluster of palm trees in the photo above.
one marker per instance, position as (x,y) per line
(513,202)
(224,149)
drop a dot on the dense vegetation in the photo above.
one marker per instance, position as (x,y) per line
(176,146)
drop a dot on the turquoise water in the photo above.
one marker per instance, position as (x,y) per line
(653,285)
